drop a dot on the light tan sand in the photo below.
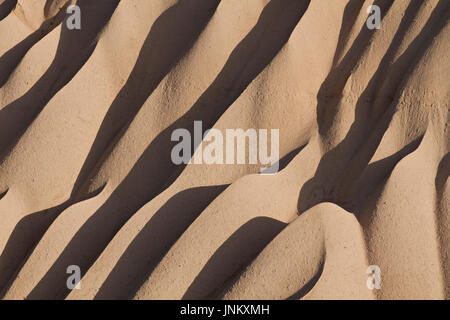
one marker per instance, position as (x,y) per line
(86,177)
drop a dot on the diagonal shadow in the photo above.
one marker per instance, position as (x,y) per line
(170,46)
(283,162)
(150,173)
(303,291)
(233,256)
(340,167)
(11,59)
(331,90)
(159,234)
(171,36)
(24,238)
(442,174)
(6,7)
(441,180)
(375,176)
(351,12)
(74,49)
(154,240)
(249,58)
(3,194)
(375,107)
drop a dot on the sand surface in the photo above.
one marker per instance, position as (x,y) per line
(86,176)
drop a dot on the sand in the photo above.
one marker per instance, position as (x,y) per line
(86,176)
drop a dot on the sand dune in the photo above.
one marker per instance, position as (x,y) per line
(87,176)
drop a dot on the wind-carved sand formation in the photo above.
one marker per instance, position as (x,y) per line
(86,177)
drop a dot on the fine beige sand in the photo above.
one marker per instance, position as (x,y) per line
(86,177)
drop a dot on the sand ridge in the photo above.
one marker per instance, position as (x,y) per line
(86,176)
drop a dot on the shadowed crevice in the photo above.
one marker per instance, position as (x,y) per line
(350,16)
(154,240)
(284,162)
(309,285)
(331,90)
(6,7)
(171,36)
(149,175)
(340,167)
(158,235)
(74,49)
(374,178)
(233,256)
(3,194)
(443,219)
(11,59)
(25,236)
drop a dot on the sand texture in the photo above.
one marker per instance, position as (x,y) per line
(86,176)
